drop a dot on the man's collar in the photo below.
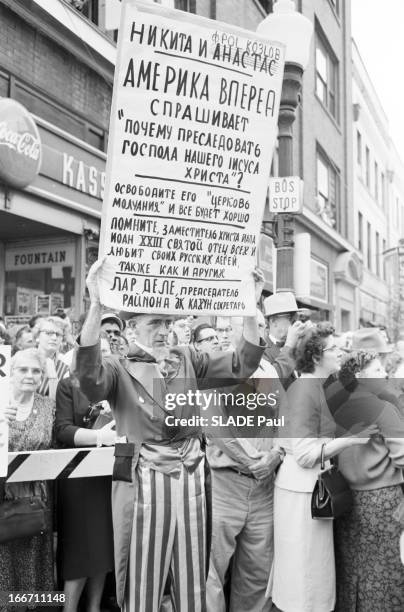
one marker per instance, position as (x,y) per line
(275,341)
(139,352)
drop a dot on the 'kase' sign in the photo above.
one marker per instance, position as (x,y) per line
(20,145)
(193,126)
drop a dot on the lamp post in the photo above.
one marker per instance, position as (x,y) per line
(291,28)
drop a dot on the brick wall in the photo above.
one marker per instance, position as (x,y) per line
(40,62)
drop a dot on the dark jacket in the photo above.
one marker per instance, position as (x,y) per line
(283,361)
(72,406)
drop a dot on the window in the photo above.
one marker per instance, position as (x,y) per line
(360,232)
(345,320)
(359,148)
(367,170)
(382,189)
(326,76)
(369,237)
(327,190)
(376,182)
(378,254)
(186,5)
(96,138)
(88,8)
(52,110)
(384,259)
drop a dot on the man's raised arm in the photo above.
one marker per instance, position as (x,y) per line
(96,377)
(250,324)
(90,333)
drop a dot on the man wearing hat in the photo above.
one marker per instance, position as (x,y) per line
(371,339)
(113,326)
(282,334)
(158,496)
(365,339)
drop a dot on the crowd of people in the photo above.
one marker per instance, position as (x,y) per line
(201,522)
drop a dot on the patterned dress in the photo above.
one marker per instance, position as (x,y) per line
(370,576)
(27,564)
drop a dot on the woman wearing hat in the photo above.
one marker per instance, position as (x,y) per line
(304,567)
(369,572)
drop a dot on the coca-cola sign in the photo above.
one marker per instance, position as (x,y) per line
(20,145)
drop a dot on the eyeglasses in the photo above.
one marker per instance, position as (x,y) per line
(49,332)
(334,347)
(24,370)
(208,339)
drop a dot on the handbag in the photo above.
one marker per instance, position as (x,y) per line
(23,518)
(96,416)
(331,496)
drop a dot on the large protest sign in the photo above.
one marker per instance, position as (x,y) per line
(5,358)
(193,127)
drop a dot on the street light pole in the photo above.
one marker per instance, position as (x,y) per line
(291,87)
(294,30)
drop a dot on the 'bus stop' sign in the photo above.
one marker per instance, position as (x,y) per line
(285,194)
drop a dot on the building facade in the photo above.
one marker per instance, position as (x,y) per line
(378,206)
(322,136)
(56,72)
(323,157)
(371,175)
(58,64)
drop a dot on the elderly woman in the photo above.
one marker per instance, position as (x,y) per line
(23,339)
(304,567)
(48,334)
(26,564)
(369,572)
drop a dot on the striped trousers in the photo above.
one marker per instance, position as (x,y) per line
(168,540)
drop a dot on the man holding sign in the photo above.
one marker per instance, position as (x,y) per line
(193,127)
(159,509)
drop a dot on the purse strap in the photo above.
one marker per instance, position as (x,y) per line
(333,460)
(322,458)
